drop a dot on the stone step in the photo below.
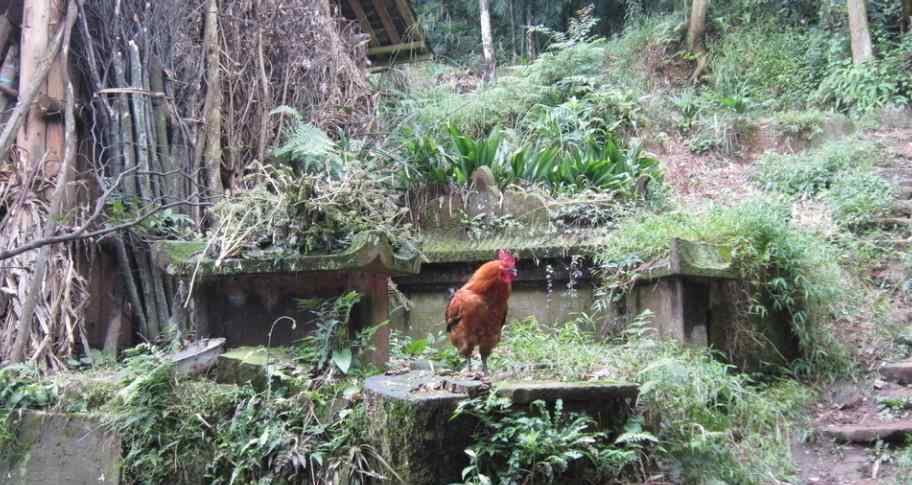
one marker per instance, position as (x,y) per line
(869,433)
(899,372)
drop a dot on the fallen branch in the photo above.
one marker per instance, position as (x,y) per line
(80,233)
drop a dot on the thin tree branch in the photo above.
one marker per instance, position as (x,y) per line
(80,233)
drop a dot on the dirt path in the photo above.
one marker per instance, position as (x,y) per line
(821,459)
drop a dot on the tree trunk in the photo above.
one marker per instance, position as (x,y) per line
(862,49)
(695,34)
(907,16)
(530,36)
(697,25)
(213,105)
(513,50)
(487,42)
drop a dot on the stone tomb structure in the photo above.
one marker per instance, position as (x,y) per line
(242,299)
(694,294)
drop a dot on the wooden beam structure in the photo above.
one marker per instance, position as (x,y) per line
(388,25)
(395,34)
(363,20)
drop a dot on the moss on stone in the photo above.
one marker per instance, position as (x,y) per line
(370,252)
(451,249)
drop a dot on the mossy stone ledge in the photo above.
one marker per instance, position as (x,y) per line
(369,252)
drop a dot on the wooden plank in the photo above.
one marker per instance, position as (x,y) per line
(365,22)
(391,33)
(389,49)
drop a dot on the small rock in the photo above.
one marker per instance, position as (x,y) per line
(421,364)
(899,372)
(847,397)
(813,479)
(879,384)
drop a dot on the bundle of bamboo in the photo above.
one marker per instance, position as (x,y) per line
(176,105)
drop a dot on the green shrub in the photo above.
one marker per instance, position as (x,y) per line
(858,197)
(805,124)
(599,164)
(715,424)
(788,271)
(707,421)
(537,446)
(809,173)
(767,65)
(879,82)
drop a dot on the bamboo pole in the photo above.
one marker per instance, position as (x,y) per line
(213,105)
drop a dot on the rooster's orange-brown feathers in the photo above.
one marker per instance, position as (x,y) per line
(478,311)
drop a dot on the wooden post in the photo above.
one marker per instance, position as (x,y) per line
(36,18)
(372,310)
(56,91)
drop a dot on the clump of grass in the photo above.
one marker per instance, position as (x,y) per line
(805,124)
(533,348)
(840,174)
(715,424)
(809,173)
(859,197)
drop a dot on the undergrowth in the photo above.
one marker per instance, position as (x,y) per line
(702,421)
(304,427)
(841,174)
(789,272)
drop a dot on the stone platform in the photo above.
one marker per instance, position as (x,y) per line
(412,427)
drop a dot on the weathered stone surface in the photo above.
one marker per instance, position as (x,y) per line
(892,431)
(468,387)
(369,252)
(62,449)
(198,357)
(899,372)
(248,365)
(896,117)
(693,295)
(411,427)
(691,258)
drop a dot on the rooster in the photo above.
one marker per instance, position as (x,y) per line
(477,311)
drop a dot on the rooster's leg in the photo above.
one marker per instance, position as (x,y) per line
(484,364)
(469,363)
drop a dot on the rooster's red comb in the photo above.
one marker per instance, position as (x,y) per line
(505,257)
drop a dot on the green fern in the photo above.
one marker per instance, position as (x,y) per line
(306,146)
